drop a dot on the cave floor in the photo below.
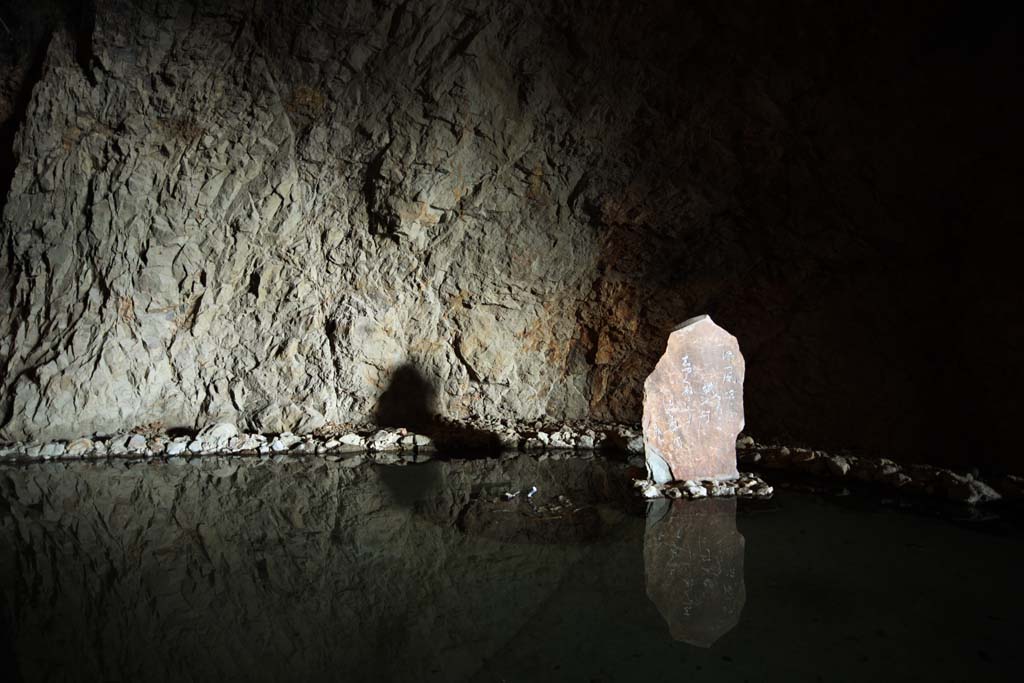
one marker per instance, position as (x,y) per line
(249,569)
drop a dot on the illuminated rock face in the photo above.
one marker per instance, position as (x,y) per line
(693,405)
(693,566)
(260,213)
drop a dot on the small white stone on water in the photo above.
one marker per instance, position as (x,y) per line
(79,447)
(288,439)
(352,440)
(560,440)
(719,489)
(118,445)
(53,449)
(838,466)
(385,440)
(418,440)
(215,437)
(694,489)
(176,448)
(650,491)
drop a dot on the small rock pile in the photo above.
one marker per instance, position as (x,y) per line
(918,479)
(543,439)
(745,486)
(224,437)
(220,438)
(582,435)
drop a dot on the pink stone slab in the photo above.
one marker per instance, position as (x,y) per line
(693,405)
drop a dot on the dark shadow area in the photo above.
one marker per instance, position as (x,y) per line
(412,488)
(839,240)
(26,32)
(410,401)
(9,666)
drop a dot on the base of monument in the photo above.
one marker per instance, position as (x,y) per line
(745,486)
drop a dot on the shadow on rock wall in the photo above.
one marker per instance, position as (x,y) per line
(410,401)
(810,211)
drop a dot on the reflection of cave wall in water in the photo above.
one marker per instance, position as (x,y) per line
(693,563)
(233,569)
(256,212)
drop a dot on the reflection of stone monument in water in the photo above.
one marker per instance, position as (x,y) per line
(693,405)
(693,566)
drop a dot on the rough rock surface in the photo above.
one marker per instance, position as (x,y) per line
(259,219)
(256,213)
(693,405)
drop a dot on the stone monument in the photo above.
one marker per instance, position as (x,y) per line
(693,405)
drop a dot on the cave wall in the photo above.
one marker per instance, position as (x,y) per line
(258,211)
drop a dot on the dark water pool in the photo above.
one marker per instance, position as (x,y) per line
(250,570)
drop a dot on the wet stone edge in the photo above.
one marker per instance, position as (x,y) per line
(352,445)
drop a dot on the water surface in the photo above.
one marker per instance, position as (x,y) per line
(252,570)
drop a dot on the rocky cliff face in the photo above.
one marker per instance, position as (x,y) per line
(257,212)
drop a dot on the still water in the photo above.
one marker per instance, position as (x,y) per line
(254,570)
